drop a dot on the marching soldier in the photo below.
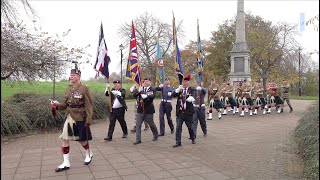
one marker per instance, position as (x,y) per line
(286,86)
(78,110)
(133,130)
(246,97)
(276,92)
(272,91)
(270,95)
(184,109)
(238,95)
(230,99)
(223,98)
(145,110)
(214,97)
(118,109)
(165,106)
(258,98)
(199,110)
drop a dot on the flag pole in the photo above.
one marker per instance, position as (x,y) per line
(199,79)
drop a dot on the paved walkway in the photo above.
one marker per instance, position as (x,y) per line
(236,148)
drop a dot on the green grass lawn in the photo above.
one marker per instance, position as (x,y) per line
(8,90)
(305,97)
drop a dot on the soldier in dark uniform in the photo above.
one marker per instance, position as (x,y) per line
(78,110)
(119,108)
(165,106)
(145,110)
(133,130)
(184,109)
(199,110)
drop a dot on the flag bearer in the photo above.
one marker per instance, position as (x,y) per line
(165,106)
(119,108)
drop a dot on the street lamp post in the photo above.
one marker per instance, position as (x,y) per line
(299,51)
(121,47)
(54,80)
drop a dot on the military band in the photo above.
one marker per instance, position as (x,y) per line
(190,108)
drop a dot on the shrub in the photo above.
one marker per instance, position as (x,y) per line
(31,112)
(306,136)
(13,119)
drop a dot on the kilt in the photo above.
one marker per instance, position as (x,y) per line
(278,100)
(217,104)
(75,130)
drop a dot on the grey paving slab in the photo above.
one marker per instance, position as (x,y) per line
(243,148)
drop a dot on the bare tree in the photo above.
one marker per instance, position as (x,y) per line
(30,56)
(148,29)
(9,12)
(26,56)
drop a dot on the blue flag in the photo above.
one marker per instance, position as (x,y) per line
(159,61)
(200,56)
(177,64)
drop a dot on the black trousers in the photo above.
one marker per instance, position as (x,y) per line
(117,114)
(182,117)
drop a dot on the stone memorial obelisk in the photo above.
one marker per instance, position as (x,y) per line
(240,55)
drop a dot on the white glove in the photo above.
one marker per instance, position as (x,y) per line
(179,89)
(116,93)
(107,86)
(132,88)
(144,96)
(140,89)
(190,99)
(161,85)
(198,88)
(169,93)
(54,103)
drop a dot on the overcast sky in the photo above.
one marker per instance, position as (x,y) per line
(84,18)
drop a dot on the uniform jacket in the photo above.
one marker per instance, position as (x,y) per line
(78,103)
(199,96)
(147,103)
(285,90)
(273,90)
(121,98)
(228,90)
(167,92)
(245,91)
(257,91)
(214,92)
(189,110)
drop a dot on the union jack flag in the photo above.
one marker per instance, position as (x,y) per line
(103,60)
(133,69)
